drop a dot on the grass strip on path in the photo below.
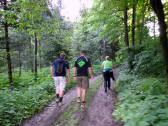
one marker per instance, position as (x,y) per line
(71,116)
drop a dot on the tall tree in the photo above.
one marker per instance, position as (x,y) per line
(133,22)
(154,27)
(32,21)
(143,12)
(20,63)
(126,25)
(35,55)
(158,9)
(8,55)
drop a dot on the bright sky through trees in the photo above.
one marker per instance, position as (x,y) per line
(71,8)
(71,11)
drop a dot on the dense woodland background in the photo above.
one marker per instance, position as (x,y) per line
(33,33)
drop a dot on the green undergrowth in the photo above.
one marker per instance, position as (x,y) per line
(142,90)
(26,101)
(26,79)
(28,96)
(97,69)
(71,116)
(143,101)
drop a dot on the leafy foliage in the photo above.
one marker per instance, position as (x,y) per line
(143,95)
(100,31)
(18,105)
(145,60)
(28,98)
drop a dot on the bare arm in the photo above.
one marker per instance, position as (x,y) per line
(52,71)
(68,75)
(68,71)
(91,72)
(75,73)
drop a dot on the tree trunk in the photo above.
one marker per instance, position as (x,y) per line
(104,48)
(20,64)
(142,25)
(8,56)
(35,57)
(133,23)
(154,27)
(158,9)
(39,55)
(31,56)
(127,35)
(126,26)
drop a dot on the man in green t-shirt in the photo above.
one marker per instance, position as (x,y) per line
(82,70)
(107,73)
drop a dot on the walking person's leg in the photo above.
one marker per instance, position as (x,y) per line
(79,89)
(62,89)
(57,88)
(105,81)
(85,86)
(108,81)
(79,94)
(84,91)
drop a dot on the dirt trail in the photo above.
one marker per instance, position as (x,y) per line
(51,112)
(100,111)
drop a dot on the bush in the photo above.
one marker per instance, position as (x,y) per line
(97,69)
(26,79)
(18,105)
(28,97)
(142,101)
(148,63)
(121,55)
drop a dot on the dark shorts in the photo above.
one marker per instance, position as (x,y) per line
(83,82)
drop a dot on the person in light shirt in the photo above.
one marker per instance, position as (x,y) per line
(107,73)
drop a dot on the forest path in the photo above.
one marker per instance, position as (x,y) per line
(100,107)
(52,111)
(100,111)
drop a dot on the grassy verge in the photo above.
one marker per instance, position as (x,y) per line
(69,117)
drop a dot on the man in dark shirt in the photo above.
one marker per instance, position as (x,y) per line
(59,68)
(82,69)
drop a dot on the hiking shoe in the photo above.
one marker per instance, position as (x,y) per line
(83,106)
(57,101)
(78,100)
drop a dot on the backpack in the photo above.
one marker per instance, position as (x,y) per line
(60,66)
